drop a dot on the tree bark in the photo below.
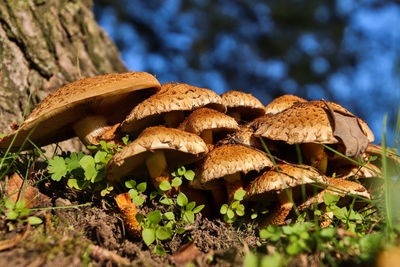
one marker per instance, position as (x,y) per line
(45,44)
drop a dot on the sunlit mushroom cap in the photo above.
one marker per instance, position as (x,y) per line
(208,119)
(281,103)
(110,95)
(246,104)
(337,186)
(227,160)
(303,123)
(172,97)
(288,176)
(180,148)
(369,170)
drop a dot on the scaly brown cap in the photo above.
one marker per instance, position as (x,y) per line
(369,170)
(172,97)
(208,119)
(227,160)
(302,123)
(339,187)
(288,176)
(180,148)
(110,95)
(246,104)
(281,103)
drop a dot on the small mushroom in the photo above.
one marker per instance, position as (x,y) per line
(280,182)
(281,103)
(169,106)
(156,150)
(312,124)
(242,106)
(229,162)
(207,123)
(88,108)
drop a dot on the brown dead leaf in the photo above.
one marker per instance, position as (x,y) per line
(185,254)
(347,128)
(31,195)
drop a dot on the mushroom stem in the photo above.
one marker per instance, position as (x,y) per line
(157,167)
(279,215)
(316,155)
(91,129)
(207,136)
(128,211)
(173,118)
(235,114)
(233,183)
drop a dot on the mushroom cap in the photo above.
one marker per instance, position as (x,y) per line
(244,103)
(369,170)
(281,103)
(180,148)
(227,160)
(109,95)
(287,177)
(208,119)
(303,123)
(172,97)
(339,187)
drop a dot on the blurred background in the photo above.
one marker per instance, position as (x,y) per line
(345,51)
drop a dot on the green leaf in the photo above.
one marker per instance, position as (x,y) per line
(250,260)
(180,230)
(169,215)
(130,184)
(33,220)
(148,235)
(9,204)
(189,175)
(293,249)
(133,193)
(153,195)
(271,261)
(12,215)
(330,199)
(163,233)
(190,205)
(72,162)
(140,217)
(159,250)
(57,168)
(75,183)
(235,204)
(240,210)
(165,185)
(154,216)
(138,200)
(166,201)
(176,181)
(142,187)
(239,195)
(89,166)
(181,171)
(198,209)
(230,214)
(327,233)
(100,157)
(224,209)
(188,216)
(181,199)
(20,204)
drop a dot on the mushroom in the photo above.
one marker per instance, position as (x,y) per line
(336,186)
(155,150)
(207,123)
(314,123)
(88,108)
(242,106)
(229,162)
(169,105)
(280,182)
(281,103)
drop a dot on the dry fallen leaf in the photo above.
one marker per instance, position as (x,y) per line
(347,128)
(31,195)
(185,254)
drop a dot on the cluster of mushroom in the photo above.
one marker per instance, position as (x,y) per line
(175,124)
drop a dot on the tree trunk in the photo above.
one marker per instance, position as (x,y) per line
(44,45)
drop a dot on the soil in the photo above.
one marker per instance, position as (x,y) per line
(95,234)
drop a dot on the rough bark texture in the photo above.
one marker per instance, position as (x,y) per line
(46,44)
